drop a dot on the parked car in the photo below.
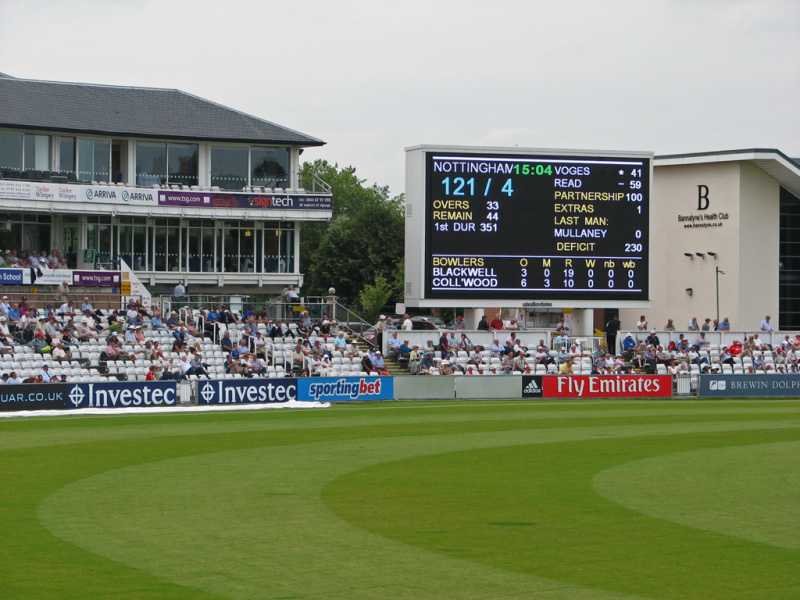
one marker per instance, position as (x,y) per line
(417,323)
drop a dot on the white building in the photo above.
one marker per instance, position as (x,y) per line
(177,186)
(736,211)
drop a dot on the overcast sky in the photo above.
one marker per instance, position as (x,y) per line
(372,78)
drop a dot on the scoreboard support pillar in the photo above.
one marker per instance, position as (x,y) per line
(582,322)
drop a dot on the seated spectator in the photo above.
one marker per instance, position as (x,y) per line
(226,343)
(231,365)
(628,347)
(39,344)
(725,356)
(393,346)
(173,323)
(497,349)
(59,353)
(378,364)
(414,360)
(426,364)
(66,309)
(543,357)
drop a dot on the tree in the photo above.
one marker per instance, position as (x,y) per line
(374,297)
(364,240)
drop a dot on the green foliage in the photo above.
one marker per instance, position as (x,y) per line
(374,297)
(364,239)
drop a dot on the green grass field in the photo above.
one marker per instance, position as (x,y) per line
(509,499)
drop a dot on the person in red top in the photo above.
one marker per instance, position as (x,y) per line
(496,324)
(151,373)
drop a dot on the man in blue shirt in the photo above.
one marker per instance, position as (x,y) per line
(628,346)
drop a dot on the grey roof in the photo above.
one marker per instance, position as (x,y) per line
(106,110)
(776,164)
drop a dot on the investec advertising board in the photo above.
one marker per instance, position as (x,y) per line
(248,391)
(122,394)
(740,386)
(311,389)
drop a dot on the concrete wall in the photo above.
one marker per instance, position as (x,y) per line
(739,212)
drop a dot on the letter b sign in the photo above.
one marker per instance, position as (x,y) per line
(702,197)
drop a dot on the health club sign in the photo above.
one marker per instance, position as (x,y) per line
(607,386)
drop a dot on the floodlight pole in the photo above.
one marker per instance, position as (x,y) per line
(718,271)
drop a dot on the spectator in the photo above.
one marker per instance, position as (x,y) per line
(464,343)
(45,375)
(725,325)
(496,324)
(179,295)
(612,328)
(497,348)
(393,346)
(561,327)
(483,324)
(379,364)
(628,347)
(642,324)
(670,326)
(766,325)
(459,324)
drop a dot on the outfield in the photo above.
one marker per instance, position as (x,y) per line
(503,499)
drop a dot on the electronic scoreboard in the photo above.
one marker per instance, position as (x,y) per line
(532,225)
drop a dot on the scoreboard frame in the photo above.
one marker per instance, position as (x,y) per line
(466,189)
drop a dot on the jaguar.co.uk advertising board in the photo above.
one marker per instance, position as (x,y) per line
(34,396)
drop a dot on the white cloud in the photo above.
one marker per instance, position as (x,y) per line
(371,78)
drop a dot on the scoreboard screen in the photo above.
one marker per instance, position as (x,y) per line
(525,226)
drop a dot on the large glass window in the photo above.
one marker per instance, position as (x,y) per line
(200,246)
(183,164)
(133,242)
(789,265)
(160,162)
(99,238)
(66,154)
(229,167)
(270,167)
(94,160)
(11,153)
(37,152)
(24,152)
(167,247)
(278,247)
(151,163)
